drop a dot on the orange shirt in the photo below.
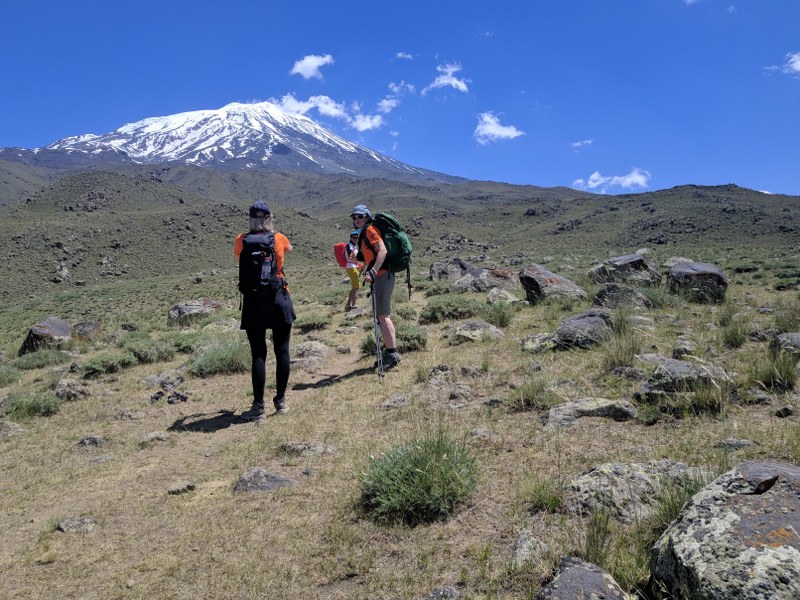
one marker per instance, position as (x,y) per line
(281,244)
(373,236)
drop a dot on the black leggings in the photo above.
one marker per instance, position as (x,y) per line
(258,349)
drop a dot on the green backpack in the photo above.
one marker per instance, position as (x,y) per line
(398,246)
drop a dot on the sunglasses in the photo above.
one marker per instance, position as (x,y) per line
(358,216)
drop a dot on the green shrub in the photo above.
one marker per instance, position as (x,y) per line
(34,405)
(186,342)
(41,358)
(109,362)
(450,307)
(408,336)
(406,312)
(224,359)
(145,349)
(726,315)
(8,375)
(311,322)
(499,314)
(420,481)
(332,296)
(437,289)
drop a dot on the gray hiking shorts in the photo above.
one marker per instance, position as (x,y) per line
(384,286)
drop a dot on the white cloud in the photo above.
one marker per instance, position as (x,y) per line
(402,88)
(731,9)
(792,65)
(489,129)
(325,106)
(581,144)
(388,104)
(366,122)
(308,66)
(403,56)
(690,2)
(448,79)
(636,178)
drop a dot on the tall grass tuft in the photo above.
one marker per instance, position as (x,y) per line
(733,334)
(543,494)
(775,371)
(787,317)
(420,481)
(449,307)
(499,314)
(536,393)
(621,350)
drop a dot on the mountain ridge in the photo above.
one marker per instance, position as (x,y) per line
(236,137)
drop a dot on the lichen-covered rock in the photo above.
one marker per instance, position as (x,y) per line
(540,284)
(481,280)
(737,539)
(50,333)
(584,330)
(619,295)
(627,491)
(699,282)
(633,269)
(259,479)
(472,331)
(786,342)
(191,311)
(577,579)
(565,414)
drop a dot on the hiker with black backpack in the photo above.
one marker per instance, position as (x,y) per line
(266,304)
(373,250)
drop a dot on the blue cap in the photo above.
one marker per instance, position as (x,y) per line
(259,208)
(361,209)
(356,231)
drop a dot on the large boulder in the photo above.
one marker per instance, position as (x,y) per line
(540,284)
(627,491)
(450,270)
(786,342)
(619,295)
(698,282)
(191,311)
(482,280)
(673,376)
(584,330)
(737,539)
(50,333)
(564,415)
(633,269)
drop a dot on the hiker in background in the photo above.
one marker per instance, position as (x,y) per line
(353,270)
(261,311)
(373,250)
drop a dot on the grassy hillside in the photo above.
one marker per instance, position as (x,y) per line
(127,246)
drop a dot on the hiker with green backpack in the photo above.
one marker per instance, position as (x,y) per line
(381,265)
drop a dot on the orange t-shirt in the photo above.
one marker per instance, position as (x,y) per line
(373,236)
(281,244)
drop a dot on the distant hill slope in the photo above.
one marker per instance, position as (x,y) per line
(100,226)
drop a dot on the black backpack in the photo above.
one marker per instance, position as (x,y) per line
(258,274)
(398,246)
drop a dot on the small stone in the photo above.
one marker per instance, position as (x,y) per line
(181,487)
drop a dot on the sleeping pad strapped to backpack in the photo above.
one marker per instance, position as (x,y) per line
(257,269)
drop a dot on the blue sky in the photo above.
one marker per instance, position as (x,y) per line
(610,96)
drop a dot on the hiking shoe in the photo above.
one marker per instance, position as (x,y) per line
(280,405)
(391,360)
(255,413)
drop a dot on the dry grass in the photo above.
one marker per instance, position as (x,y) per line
(308,541)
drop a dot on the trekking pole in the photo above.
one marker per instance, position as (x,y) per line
(378,352)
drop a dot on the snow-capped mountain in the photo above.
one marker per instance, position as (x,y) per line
(234,137)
